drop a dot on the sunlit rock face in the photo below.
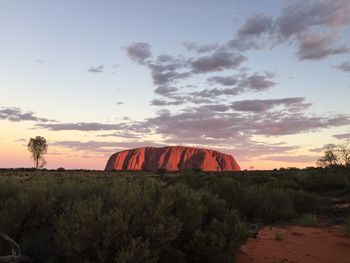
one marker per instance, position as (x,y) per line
(171,158)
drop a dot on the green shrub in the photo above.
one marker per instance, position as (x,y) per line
(324,183)
(132,219)
(308,220)
(138,251)
(256,203)
(347,226)
(91,216)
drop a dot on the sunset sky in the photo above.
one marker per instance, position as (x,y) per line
(265,81)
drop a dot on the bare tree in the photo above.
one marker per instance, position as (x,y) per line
(344,152)
(335,156)
(38,147)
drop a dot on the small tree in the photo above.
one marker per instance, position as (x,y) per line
(38,147)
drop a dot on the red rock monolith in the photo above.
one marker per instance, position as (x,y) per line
(171,158)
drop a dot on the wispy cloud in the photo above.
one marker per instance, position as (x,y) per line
(193,46)
(342,136)
(40,61)
(102,147)
(81,126)
(268,104)
(96,69)
(16,114)
(292,158)
(345,66)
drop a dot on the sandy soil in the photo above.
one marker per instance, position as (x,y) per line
(297,244)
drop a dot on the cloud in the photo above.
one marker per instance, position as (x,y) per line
(165,90)
(315,46)
(320,149)
(345,66)
(139,52)
(96,69)
(222,122)
(299,16)
(215,92)
(342,136)
(165,69)
(21,140)
(162,102)
(15,114)
(276,124)
(81,126)
(128,126)
(244,83)
(256,25)
(126,135)
(105,147)
(265,105)
(216,107)
(169,71)
(223,80)
(40,61)
(313,25)
(165,78)
(243,44)
(192,46)
(258,82)
(291,158)
(218,61)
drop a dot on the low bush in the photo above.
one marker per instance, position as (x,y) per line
(347,226)
(308,220)
(123,220)
(91,216)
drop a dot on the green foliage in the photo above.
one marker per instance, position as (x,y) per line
(122,220)
(347,226)
(264,201)
(308,220)
(91,216)
(138,251)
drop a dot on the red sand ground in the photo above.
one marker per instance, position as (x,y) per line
(299,244)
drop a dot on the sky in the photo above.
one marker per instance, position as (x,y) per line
(265,81)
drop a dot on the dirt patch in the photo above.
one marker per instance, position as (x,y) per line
(297,244)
